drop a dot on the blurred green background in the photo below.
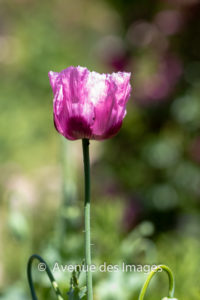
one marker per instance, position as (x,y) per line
(145,181)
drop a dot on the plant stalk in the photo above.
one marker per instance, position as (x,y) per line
(42,266)
(152,273)
(86,159)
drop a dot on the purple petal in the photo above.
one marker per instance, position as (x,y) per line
(87,104)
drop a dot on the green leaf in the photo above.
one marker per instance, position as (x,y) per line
(76,292)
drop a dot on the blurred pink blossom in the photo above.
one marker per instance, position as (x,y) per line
(169,21)
(112,51)
(144,34)
(88,104)
(159,85)
(141,33)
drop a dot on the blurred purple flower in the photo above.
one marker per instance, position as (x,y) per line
(88,104)
(142,34)
(169,21)
(112,51)
(162,83)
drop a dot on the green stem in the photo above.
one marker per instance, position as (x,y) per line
(152,273)
(42,267)
(86,159)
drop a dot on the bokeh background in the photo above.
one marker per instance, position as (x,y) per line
(145,181)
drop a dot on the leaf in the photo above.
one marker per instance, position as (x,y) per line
(76,292)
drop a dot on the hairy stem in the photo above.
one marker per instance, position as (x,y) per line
(86,159)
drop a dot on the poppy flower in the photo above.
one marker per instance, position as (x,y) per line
(88,104)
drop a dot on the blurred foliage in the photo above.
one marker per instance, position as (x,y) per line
(145,181)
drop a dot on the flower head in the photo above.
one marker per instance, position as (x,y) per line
(88,104)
